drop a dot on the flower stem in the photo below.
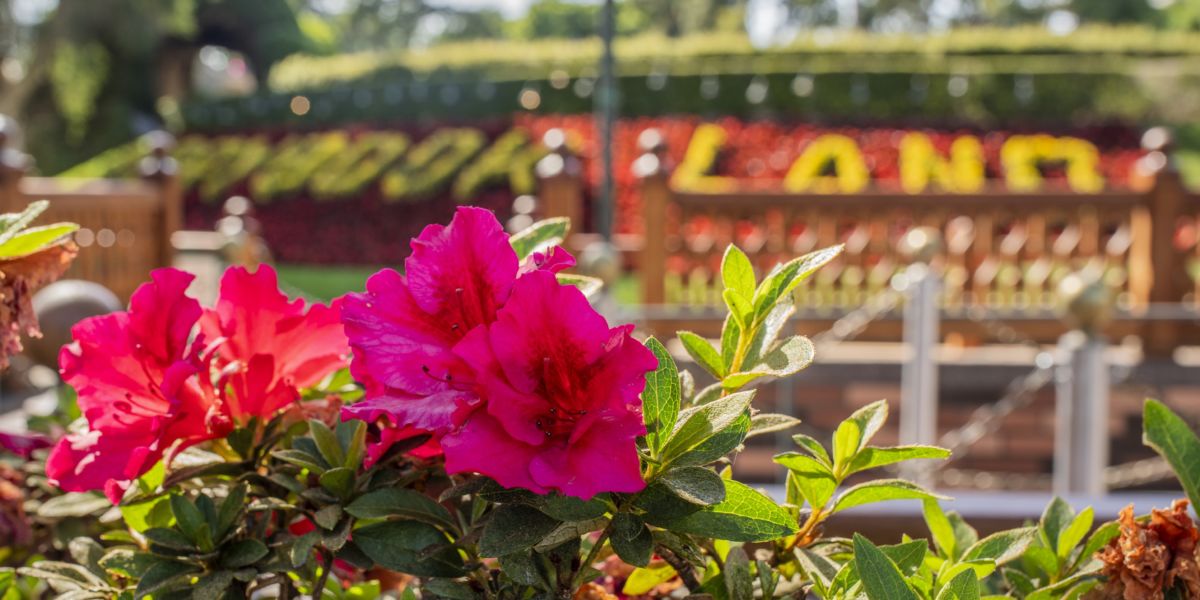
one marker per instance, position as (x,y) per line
(591,557)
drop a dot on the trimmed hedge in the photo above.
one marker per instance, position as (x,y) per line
(978,76)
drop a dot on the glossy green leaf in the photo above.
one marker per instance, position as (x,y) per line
(1003,546)
(738,306)
(389,502)
(695,484)
(737,273)
(964,586)
(165,575)
(191,522)
(854,433)
(871,457)
(339,481)
(704,422)
(745,515)
(631,539)
(243,553)
(408,546)
(661,397)
(812,478)
(513,528)
(813,447)
(782,281)
(703,353)
(327,443)
(764,423)
(1075,532)
(789,358)
(881,577)
(1055,518)
(940,528)
(1171,437)
(882,490)
(540,236)
(739,584)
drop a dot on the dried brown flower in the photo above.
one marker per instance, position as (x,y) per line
(20,278)
(1147,559)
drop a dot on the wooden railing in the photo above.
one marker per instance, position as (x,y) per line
(1001,252)
(125,225)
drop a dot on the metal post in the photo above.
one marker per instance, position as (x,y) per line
(919,376)
(606,109)
(1081,415)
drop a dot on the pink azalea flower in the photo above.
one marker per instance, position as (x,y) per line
(270,348)
(147,388)
(404,327)
(134,373)
(562,409)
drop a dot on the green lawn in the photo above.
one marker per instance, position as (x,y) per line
(323,282)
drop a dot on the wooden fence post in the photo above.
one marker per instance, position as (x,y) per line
(560,183)
(654,175)
(1165,200)
(159,168)
(13,166)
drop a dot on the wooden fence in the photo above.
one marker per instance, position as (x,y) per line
(125,225)
(1002,254)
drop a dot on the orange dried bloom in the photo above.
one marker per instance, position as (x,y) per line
(20,278)
(1148,559)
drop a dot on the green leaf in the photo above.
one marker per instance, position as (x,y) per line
(723,442)
(737,273)
(854,433)
(745,515)
(352,435)
(169,538)
(328,516)
(763,423)
(73,504)
(631,539)
(409,547)
(660,399)
(165,575)
(882,490)
(327,443)
(811,477)
(1171,437)
(587,285)
(739,307)
(191,522)
(540,236)
(785,279)
(731,333)
(301,459)
(35,239)
(813,447)
(703,353)
(704,422)
(789,358)
(964,586)
(940,528)
(13,223)
(513,528)
(1003,546)
(338,481)
(302,548)
(231,510)
(243,553)
(1057,515)
(523,569)
(570,508)
(1100,538)
(695,484)
(739,584)
(1043,559)
(1074,533)
(388,502)
(881,577)
(818,568)
(645,579)
(212,585)
(871,457)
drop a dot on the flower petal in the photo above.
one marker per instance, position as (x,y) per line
(482,446)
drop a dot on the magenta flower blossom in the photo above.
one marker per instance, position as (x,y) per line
(561,409)
(149,390)
(134,373)
(404,327)
(270,348)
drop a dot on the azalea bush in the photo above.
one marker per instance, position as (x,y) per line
(474,428)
